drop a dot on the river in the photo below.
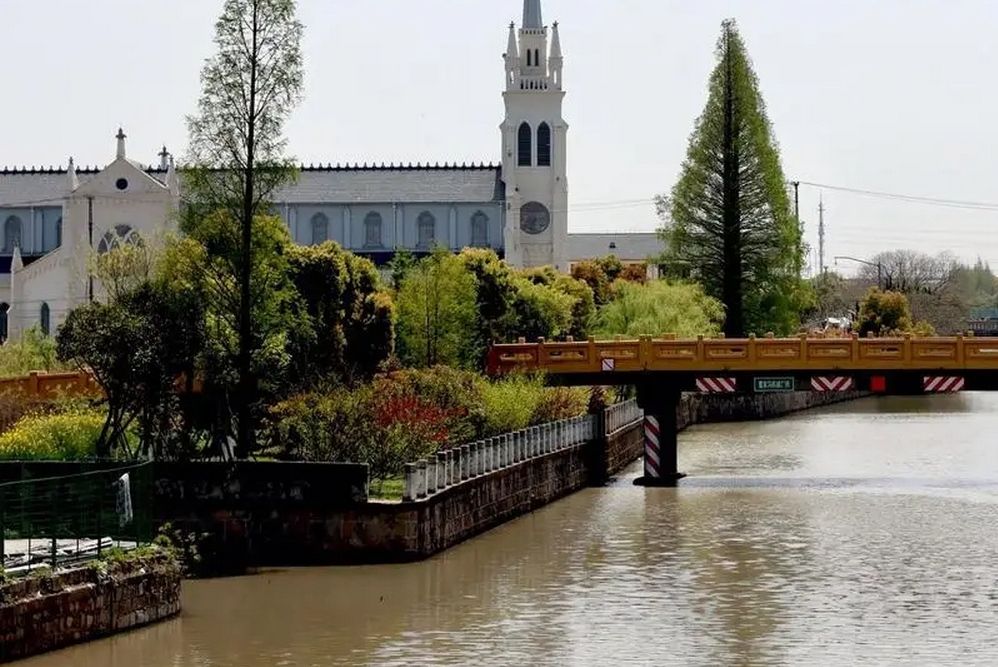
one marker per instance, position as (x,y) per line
(861,534)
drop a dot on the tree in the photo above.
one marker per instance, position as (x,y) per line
(352,320)
(248,90)
(436,312)
(541,311)
(911,272)
(731,222)
(137,346)
(206,262)
(660,307)
(829,296)
(888,314)
(495,321)
(593,274)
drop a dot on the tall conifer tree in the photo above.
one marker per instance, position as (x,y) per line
(731,222)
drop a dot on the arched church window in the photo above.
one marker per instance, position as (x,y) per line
(534,218)
(524,145)
(372,230)
(58,233)
(544,145)
(427,230)
(320,228)
(4,318)
(11,233)
(480,230)
(44,319)
(118,236)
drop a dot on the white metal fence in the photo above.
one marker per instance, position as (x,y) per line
(458,464)
(622,415)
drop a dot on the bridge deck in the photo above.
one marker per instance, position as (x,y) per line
(703,355)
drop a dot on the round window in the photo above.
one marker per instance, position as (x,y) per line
(121,184)
(534,218)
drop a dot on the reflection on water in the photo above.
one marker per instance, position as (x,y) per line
(860,534)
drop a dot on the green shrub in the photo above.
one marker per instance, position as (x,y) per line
(557,403)
(71,436)
(510,403)
(658,308)
(33,352)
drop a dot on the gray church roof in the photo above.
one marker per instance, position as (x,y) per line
(629,247)
(430,184)
(316,185)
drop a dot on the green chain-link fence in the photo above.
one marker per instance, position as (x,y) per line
(59,521)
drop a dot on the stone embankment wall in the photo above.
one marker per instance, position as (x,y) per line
(49,611)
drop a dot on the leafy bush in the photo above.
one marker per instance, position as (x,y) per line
(411,414)
(519,401)
(592,274)
(71,436)
(657,308)
(884,314)
(557,403)
(510,403)
(33,352)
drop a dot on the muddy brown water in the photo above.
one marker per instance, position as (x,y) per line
(862,534)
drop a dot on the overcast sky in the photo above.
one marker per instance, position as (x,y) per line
(893,95)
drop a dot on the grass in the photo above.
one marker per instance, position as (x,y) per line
(387,489)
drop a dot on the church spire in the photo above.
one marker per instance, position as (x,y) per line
(121,143)
(532,15)
(512,51)
(74,181)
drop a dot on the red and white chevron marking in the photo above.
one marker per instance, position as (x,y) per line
(942,384)
(717,385)
(653,464)
(832,383)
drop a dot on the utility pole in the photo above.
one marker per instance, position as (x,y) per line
(821,235)
(800,232)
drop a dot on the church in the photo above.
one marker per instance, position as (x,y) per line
(55,220)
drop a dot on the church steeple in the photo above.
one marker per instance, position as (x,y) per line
(532,15)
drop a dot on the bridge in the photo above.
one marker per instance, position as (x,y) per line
(663,367)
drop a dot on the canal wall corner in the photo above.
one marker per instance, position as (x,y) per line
(46,611)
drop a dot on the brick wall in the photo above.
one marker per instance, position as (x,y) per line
(43,613)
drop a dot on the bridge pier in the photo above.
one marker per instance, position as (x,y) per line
(660,433)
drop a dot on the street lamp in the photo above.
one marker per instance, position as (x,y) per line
(880,267)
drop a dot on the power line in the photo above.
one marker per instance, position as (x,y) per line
(914,199)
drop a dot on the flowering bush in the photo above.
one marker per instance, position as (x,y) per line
(71,436)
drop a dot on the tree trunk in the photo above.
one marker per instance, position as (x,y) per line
(244,425)
(731,288)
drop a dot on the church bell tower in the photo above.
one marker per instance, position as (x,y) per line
(534,145)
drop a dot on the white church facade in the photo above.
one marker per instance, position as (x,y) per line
(54,221)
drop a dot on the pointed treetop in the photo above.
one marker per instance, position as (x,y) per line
(121,136)
(532,15)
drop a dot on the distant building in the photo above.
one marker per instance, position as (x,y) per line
(635,248)
(983,322)
(52,221)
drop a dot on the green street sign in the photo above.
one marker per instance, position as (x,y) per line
(773,385)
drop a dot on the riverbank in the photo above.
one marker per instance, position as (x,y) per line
(49,610)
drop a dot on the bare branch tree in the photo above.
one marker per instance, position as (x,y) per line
(249,88)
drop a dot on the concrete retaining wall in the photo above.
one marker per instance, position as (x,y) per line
(43,613)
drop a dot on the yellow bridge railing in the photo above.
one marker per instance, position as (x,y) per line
(748,354)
